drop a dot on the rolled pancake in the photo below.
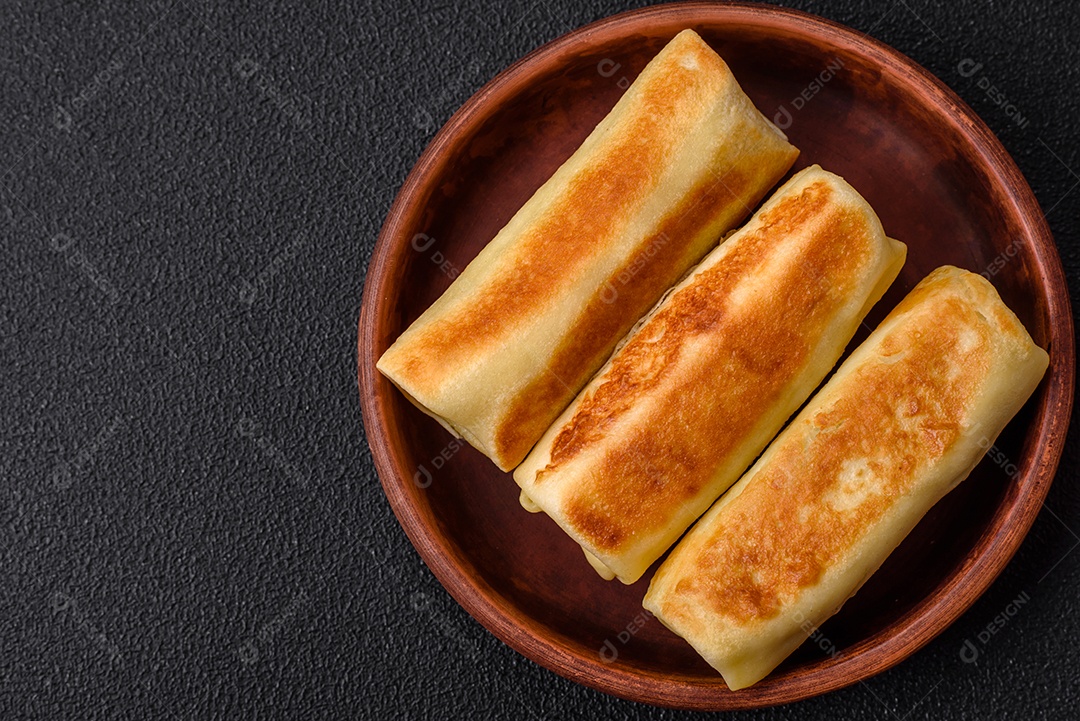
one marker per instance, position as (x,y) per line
(902,422)
(706,381)
(682,158)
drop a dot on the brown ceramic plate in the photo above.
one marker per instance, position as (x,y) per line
(940,182)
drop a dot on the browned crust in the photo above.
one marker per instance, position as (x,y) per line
(552,251)
(755,350)
(787,526)
(655,267)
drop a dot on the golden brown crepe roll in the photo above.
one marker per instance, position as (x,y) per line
(682,158)
(903,421)
(699,389)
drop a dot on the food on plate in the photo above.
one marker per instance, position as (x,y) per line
(683,157)
(901,423)
(711,374)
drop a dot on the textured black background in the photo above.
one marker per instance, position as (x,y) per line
(191,522)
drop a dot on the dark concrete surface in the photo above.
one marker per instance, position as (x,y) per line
(190,523)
